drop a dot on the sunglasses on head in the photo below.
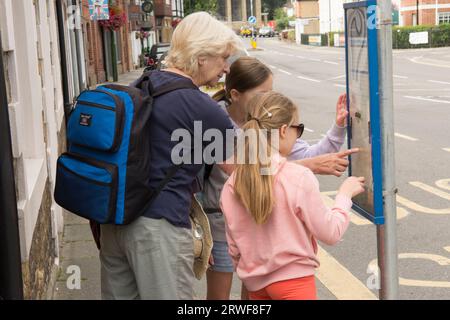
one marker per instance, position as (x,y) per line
(300,128)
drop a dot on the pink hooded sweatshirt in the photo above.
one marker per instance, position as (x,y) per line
(285,247)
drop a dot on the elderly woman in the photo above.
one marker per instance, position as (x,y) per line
(152,258)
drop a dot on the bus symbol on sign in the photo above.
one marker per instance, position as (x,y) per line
(252,20)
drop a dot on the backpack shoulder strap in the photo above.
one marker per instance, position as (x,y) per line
(145,85)
(173,86)
(154,193)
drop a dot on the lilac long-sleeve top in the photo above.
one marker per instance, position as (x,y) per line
(331,143)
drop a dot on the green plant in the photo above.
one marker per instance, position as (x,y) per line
(438,36)
(282,20)
(291,35)
(191,6)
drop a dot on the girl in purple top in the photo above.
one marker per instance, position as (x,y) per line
(248,76)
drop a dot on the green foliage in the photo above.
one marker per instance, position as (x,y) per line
(279,14)
(438,36)
(270,6)
(291,35)
(282,19)
(191,6)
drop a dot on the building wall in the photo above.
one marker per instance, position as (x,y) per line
(35,103)
(94,43)
(163,20)
(309,10)
(332,15)
(426,11)
(236,12)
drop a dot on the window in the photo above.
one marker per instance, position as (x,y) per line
(444,17)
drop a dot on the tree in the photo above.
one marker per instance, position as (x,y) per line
(282,19)
(271,5)
(191,6)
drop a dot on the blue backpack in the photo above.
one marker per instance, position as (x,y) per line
(104,175)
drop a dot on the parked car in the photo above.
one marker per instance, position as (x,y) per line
(155,55)
(247,31)
(266,32)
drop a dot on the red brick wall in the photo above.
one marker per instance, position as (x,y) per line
(94,46)
(426,16)
(411,3)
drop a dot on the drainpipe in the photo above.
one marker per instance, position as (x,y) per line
(11,285)
(417,12)
(63,56)
(78,38)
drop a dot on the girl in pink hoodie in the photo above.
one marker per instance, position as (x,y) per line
(273,208)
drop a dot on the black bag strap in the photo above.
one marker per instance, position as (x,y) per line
(176,85)
(154,193)
(145,84)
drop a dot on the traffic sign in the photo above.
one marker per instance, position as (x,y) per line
(252,19)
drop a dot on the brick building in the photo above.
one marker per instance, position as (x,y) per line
(163,18)
(99,45)
(95,49)
(424,12)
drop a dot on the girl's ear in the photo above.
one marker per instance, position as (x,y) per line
(283,131)
(235,95)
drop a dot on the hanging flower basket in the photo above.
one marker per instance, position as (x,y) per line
(117,19)
(142,34)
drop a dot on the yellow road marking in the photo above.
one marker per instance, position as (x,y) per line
(444,184)
(447,248)
(441,260)
(354,217)
(430,189)
(423,283)
(446,149)
(416,207)
(341,282)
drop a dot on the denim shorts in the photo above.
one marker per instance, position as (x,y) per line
(222,259)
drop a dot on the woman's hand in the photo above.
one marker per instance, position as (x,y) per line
(341,111)
(329,164)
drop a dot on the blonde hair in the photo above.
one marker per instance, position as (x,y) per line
(268,111)
(200,35)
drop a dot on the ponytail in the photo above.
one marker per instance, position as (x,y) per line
(253,184)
